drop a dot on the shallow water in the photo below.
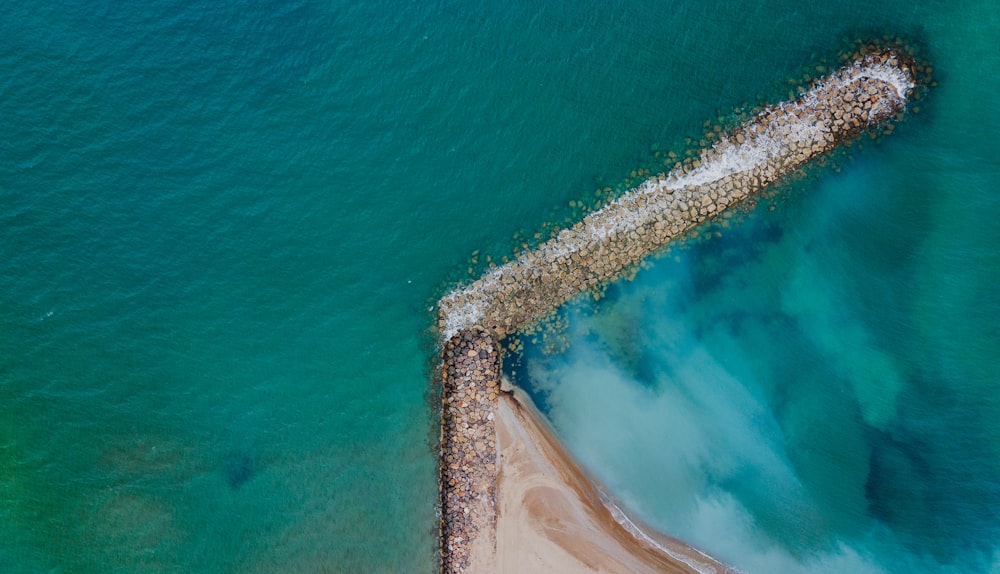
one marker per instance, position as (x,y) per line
(815,389)
(222,228)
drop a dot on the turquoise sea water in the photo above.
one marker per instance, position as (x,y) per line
(222,226)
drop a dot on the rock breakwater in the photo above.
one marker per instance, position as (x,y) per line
(778,140)
(473,319)
(470,378)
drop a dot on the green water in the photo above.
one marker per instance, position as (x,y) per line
(223,226)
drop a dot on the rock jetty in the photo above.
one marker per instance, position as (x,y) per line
(473,319)
(470,377)
(774,143)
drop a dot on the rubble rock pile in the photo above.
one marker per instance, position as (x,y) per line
(597,249)
(470,376)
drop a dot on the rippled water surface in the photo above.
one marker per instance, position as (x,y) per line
(222,226)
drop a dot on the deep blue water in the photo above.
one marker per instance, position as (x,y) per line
(222,226)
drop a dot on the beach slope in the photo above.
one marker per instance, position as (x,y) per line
(551,518)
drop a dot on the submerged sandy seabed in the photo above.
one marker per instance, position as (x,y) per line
(550,517)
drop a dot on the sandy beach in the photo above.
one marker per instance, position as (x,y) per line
(550,517)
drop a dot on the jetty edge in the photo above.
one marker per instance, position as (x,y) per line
(472,320)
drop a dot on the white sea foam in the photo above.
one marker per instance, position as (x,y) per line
(621,518)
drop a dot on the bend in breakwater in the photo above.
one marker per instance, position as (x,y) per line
(473,319)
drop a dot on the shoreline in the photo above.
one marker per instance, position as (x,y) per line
(553,517)
(498,459)
(514,499)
